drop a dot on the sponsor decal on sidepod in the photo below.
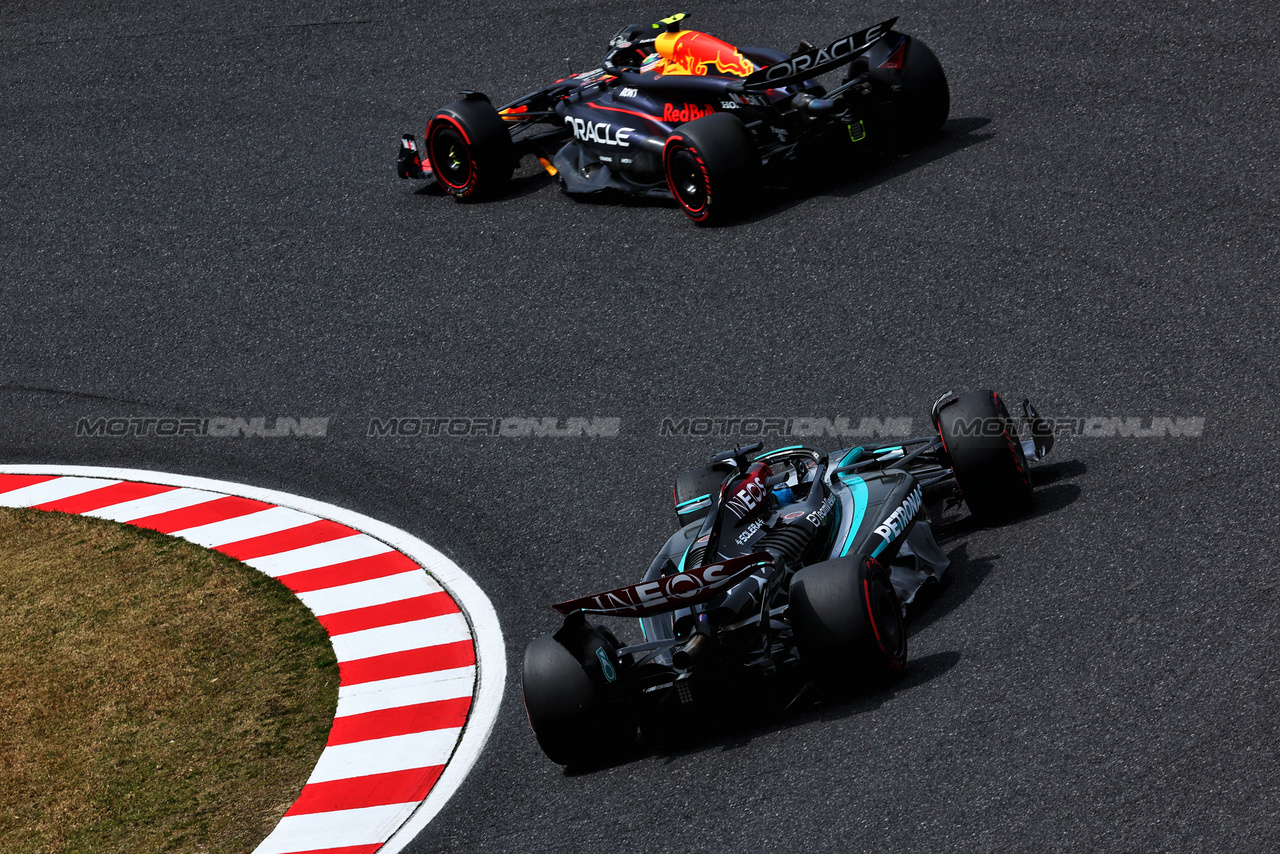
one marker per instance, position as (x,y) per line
(892,528)
(601,133)
(749,532)
(687,113)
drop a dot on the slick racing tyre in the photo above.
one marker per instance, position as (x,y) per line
(920,99)
(567,697)
(848,624)
(470,150)
(711,168)
(696,490)
(986,455)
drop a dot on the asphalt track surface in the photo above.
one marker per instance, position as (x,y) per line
(198,218)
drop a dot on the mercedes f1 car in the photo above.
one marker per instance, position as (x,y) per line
(790,569)
(681,114)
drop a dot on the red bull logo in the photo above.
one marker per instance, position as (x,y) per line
(678,114)
(694,53)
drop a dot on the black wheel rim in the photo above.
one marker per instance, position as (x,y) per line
(450,157)
(687,180)
(1011,435)
(887,615)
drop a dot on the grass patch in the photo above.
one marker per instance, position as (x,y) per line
(154,695)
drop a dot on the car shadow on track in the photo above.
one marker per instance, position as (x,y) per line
(956,135)
(524,183)
(1047,473)
(1051,499)
(936,600)
(1052,494)
(746,724)
(731,725)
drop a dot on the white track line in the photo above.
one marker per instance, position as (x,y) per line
(385,755)
(446,628)
(365,594)
(457,748)
(332,829)
(323,554)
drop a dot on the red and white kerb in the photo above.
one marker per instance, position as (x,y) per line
(407,651)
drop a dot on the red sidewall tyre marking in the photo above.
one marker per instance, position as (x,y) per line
(700,213)
(468,186)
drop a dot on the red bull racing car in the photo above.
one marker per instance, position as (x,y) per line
(680,114)
(790,568)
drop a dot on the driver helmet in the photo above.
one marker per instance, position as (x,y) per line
(626,52)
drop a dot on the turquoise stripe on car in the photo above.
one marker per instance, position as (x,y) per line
(680,568)
(858,487)
(853,456)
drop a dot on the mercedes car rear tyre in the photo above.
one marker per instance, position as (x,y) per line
(696,490)
(848,624)
(569,710)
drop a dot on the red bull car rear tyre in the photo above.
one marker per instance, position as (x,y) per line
(711,168)
(907,67)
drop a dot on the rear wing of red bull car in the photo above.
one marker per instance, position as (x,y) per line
(804,65)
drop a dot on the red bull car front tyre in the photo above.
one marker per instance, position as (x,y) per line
(469,149)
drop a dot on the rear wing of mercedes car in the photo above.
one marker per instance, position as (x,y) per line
(670,591)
